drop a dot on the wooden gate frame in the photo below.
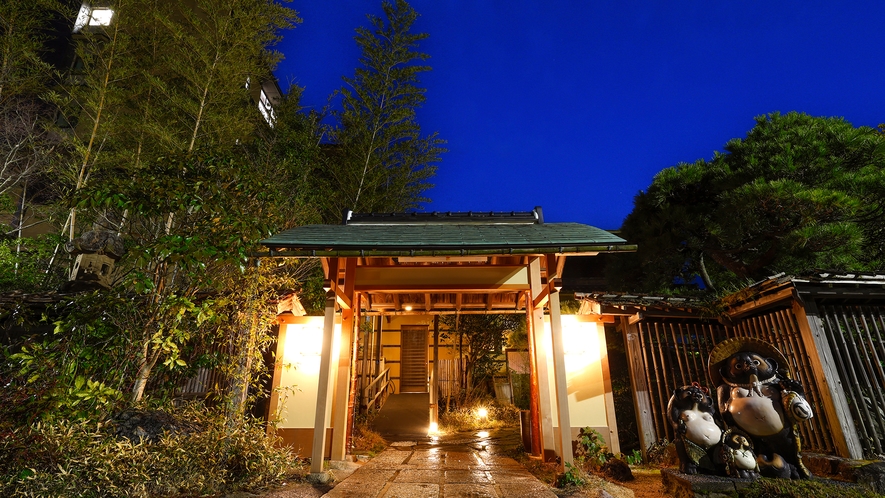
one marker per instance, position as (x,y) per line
(484,263)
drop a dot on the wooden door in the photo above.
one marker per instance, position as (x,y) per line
(413,359)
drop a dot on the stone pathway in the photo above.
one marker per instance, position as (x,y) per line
(410,470)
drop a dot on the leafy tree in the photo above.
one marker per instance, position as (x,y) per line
(480,339)
(27,146)
(799,193)
(380,161)
(164,152)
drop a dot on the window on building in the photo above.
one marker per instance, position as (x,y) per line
(90,16)
(101,17)
(265,108)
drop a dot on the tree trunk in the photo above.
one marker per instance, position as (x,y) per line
(706,277)
(144,372)
(242,377)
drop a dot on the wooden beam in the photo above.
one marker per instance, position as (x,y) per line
(541,299)
(635,318)
(640,388)
(330,269)
(434,375)
(823,364)
(609,396)
(565,425)
(596,318)
(428,304)
(324,388)
(391,313)
(340,406)
(441,279)
(542,347)
(458,297)
(755,304)
(551,266)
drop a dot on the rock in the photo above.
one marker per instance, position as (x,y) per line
(618,470)
(148,425)
(319,478)
(872,476)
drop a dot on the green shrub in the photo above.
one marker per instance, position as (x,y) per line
(365,440)
(634,458)
(788,488)
(63,458)
(591,450)
(467,418)
(573,476)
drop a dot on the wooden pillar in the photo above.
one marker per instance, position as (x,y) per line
(641,397)
(826,375)
(354,380)
(379,346)
(340,408)
(434,374)
(542,348)
(324,398)
(565,425)
(364,370)
(610,414)
(534,405)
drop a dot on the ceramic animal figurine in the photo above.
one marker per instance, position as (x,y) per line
(737,455)
(761,400)
(692,413)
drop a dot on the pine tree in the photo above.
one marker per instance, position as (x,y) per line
(797,194)
(380,161)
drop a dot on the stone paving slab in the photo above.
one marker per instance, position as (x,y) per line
(410,472)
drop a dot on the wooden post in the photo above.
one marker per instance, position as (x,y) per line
(342,383)
(354,386)
(379,347)
(641,396)
(366,339)
(565,424)
(434,374)
(824,367)
(542,348)
(534,404)
(324,398)
(610,414)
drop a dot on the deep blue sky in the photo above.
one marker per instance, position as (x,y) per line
(575,105)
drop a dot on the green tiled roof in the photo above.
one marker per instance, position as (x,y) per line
(446,238)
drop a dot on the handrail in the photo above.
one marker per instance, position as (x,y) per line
(376,389)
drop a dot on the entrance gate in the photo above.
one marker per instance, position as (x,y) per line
(433,264)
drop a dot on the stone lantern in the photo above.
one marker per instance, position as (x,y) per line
(96,253)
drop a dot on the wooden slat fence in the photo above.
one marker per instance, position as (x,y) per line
(856,335)
(450,380)
(780,328)
(675,354)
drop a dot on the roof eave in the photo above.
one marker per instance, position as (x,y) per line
(285,251)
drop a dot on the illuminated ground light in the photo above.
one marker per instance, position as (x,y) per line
(434,429)
(482,413)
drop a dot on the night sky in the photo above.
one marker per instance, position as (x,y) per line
(575,105)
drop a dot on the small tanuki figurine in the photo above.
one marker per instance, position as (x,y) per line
(757,396)
(737,455)
(692,414)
